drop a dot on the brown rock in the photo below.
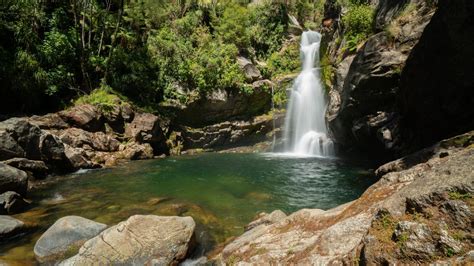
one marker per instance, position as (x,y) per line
(84,116)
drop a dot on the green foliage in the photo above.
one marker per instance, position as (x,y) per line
(283,62)
(269,24)
(327,70)
(103,97)
(455,195)
(232,26)
(147,50)
(358,23)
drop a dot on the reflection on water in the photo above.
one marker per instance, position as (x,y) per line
(222,192)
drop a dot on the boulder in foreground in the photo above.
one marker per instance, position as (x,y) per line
(65,234)
(142,239)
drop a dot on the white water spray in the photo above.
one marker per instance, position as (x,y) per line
(305,126)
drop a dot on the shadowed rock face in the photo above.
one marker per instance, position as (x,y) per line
(437,83)
(402,217)
(12,179)
(142,239)
(223,105)
(411,84)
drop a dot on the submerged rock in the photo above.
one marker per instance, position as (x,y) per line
(10,227)
(142,239)
(64,235)
(12,179)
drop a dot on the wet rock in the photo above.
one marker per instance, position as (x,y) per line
(266,219)
(12,179)
(10,227)
(84,116)
(416,240)
(98,141)
(142,239)
(251,72)
(65,234)
(37,169)
(12,202)
(48,121)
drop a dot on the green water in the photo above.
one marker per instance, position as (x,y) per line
(222,192)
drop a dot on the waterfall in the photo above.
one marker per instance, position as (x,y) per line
(305,126)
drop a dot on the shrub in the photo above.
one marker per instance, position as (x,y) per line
(104,97)
(358,23)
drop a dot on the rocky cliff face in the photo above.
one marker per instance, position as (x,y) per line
(395,94)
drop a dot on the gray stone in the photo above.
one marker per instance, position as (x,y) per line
(66,233)
(10,227)
(250,70)
(142,239)
(38,169)
(11,202)
(416,240)
(12,179)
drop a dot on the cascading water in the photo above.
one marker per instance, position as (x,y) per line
(305,126)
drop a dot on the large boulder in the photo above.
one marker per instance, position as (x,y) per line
(12,179)
(65,234)
(48,121)
(142,239)
(99,141)
(77,160)
(37,169)
(85,116)
(10,227)
(19,138)
(146,128)
(52,152)
(11,202)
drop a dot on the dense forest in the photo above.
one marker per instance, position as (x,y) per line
(148,50)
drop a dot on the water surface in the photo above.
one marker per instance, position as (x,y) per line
(222,192)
